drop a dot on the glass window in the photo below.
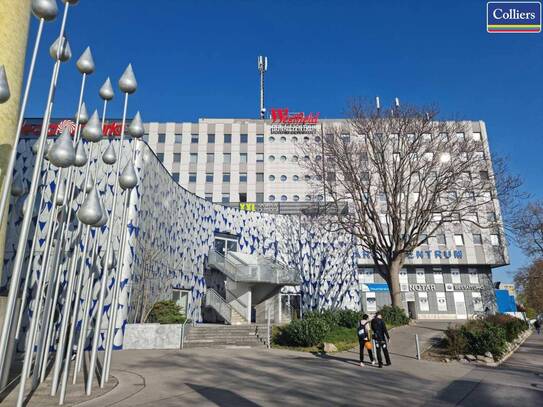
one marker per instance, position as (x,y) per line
(271,198)
(423,302)
(227,138)
(209,197)
(211,138)
(317,139)
(308,198)
(210,157)
(294,139)
(366,276)
(260,138)
(421,277)
(436,217)
(307,177)
(175,176)
(283,158)
(283,139)
(242,177)
(271,139)
(271,158)
(176,157)
(473,276)
(455,276)
(494,240)
(178,138)
(271,177)
(477,239)
(283,197)
(403,276)
(209,177)
(459,240)
(441,301)
(295,158)
(259,157)
(491,216)
(226,177)
(477,136)
(193,158)
(306,139)
(296,198)
(161,138)
(477,302)
(283,178)
(483,175)
(460,136)
(160,156)
(192,177)
(243,138)
(441,239)
(225,198)
(295,177)
(242,157)
(438,276)
(194,138)
(226,158)
(259,177)
(259,197)
(243,197)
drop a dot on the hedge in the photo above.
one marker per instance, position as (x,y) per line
(166,312)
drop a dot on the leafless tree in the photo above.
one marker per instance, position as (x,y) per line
(528,226)
(404,175)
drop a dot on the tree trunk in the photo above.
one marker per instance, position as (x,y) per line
(394,282)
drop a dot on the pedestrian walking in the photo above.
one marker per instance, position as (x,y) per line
(537,326)
(381,338)
(364,339)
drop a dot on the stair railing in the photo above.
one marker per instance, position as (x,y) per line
(239,306)
(214,300)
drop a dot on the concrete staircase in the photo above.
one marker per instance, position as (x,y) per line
(226,336)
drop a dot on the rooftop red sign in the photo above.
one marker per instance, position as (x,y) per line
(282,116)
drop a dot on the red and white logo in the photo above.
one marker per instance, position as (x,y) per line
(282,116)
(65,124)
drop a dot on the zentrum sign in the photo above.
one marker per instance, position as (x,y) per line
(295,123)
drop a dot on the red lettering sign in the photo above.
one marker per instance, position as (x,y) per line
(34,129)
(282,116)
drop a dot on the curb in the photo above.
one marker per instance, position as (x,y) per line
(523,338)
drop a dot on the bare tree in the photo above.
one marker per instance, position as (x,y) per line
(404,175)
(528,226)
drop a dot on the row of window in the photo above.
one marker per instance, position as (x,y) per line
(227,138)
(210,158)
(367,275)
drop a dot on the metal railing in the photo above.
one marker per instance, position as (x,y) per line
(214,300)
(237,304)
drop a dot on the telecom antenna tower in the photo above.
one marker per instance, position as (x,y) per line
(262,68)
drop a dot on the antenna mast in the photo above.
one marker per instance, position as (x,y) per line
(262,68)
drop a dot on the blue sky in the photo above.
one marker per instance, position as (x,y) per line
(198,59)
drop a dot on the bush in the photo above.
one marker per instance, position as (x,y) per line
(394,316)
(303,332)
(482,337)
(340,317)
(348,318)
(166,312)
(513,326)
(455,341)
(328,316)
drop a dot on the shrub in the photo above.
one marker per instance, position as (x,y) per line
(455,341)
(482,337)
(166,312)
(394,316)
(328,316)
(513,326)
(348,318)
(303,332)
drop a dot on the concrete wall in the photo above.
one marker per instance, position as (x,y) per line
(152,336)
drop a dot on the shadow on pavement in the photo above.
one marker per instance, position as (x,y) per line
(222,397)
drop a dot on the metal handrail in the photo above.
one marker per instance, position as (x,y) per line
(214,300)
(183,331)
(243,310)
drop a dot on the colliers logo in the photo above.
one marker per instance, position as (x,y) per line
(513,17)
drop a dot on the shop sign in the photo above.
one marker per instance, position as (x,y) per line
(247,206)
(283,122)
(34,129)
(467,287)
(426,254)
(422,287)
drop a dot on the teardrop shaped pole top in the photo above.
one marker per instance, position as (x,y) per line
(46,9)
(127,82)
(63,54)
(62,152)
(4,85)
(136,129)
(106,91)
(92,132)
(83,114)
(85,63)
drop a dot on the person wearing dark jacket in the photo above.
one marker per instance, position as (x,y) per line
(364,339)
(381,337)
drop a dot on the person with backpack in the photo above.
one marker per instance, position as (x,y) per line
(381,338)
(537,326)
(364,339)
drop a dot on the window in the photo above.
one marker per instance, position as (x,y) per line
(243,197)
(441,239)
(476,136)
(242,158)
(423,302)
(438,276)
(160,156)
(366,276)
(226,158)
(259,157)
(259,177)
(283,139)
(209,197)
(242,177)
(306,139)
(477,302)
(209,177)
(441,301)
(178,139)
(295,178)
(175,176)
(193,158)
(271,178)
(283,158)
(364,176)
(294,139)
(421,278)
(473,276)
(260,197)
(283,178)
(271,158)
(192,177)
(460,136)
(271,139)
(227,138)
(330,176)
(403,276)
(295,198)
(225,198)
(473,217)
(459,240)
(307,177)
(483,175)
(317,139)
(308,198)
(491,216)
(295,158)
(226,177)
(494,240)
(210,158)
(243,138)
(283,197)
(259,138)
(161,138)
(211,139)
(424,238)
(477,239)
(436,217)
(271,198)
(176,157)
(194,138)
(455,276)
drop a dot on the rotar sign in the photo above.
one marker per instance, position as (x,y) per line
(34,129)
(295,123)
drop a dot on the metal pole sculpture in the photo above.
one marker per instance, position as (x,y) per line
(86,66)
(63,53)
(5,94)
(128,85)
(127,181)
(44,10)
